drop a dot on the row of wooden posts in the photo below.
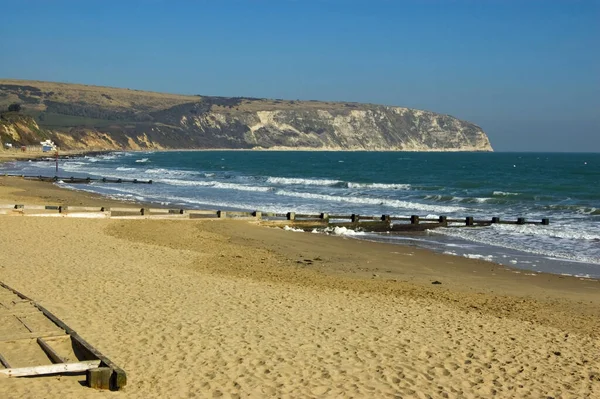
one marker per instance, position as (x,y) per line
(79,180)
(305,221)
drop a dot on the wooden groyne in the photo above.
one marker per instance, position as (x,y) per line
(383,223)
(79,180)
(39,336)
(386,223)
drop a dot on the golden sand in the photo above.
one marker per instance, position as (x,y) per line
(196,308)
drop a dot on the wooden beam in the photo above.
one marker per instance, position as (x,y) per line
(59,368)
(55,357)
(4,362)
(25,324)
(33,335)
(28,312)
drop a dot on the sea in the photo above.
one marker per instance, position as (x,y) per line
(564,187)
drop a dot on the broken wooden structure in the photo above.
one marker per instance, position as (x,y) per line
(34,342)
(79,180)
(383,223)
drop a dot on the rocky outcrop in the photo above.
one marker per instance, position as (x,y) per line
(141,121)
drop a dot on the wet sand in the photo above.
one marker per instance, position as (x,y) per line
(213,308)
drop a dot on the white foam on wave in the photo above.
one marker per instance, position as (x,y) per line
(288,228)
(371,201)
(331,182)
(548,231)
(480,257)
(143,160)
(303,182)
(124,169)
(382,186)
(215,184)
(503,193)
(542,240)
(171,172)
(342,231)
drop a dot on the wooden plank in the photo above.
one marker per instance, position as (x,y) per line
(33,335)
(59,368)
(4,362)
(55,357)
(25,324)
(83,208)
(6,313)
(126,210)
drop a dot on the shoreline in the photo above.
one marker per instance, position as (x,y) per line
(101,200)
(12,156)
(56,195)
(228,307)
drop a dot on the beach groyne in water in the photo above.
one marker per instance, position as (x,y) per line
(79,180)
(383,223)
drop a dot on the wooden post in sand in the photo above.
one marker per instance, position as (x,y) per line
(355,218)
(221,214)
(469,221)
(545,222)
(414,219)
(99,378)
(291,215)
(520,220)
(257,214)
(324,216)
(495,219)
(443,219)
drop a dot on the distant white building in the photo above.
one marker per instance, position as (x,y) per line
(48,145)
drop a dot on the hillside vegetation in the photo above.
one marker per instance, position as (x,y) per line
(82,116)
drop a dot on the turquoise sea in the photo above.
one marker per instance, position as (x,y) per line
(563,187)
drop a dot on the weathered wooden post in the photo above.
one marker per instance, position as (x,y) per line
(149,181)
(495,219)
(60,209)
(443,219)
(385,218)
(469,221)
(99,378)
(324,216)
(142,211)
(221,214)
(257,214)
(291,215)
(355,218)
(135,180)
(520,220)
(545,222)
(414,219)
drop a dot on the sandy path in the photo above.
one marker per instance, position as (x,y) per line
(181,328)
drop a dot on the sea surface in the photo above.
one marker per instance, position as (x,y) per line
(559,186)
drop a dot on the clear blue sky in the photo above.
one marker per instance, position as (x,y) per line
(527,72)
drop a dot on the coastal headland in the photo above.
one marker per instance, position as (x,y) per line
(211,308)
(88,117)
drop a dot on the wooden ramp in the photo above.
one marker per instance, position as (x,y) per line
(34,342)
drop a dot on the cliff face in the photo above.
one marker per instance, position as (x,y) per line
(78,117)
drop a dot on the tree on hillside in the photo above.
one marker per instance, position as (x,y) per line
(14,107)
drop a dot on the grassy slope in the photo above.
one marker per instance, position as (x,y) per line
(120,99)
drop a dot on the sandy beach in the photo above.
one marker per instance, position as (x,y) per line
(223,308)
